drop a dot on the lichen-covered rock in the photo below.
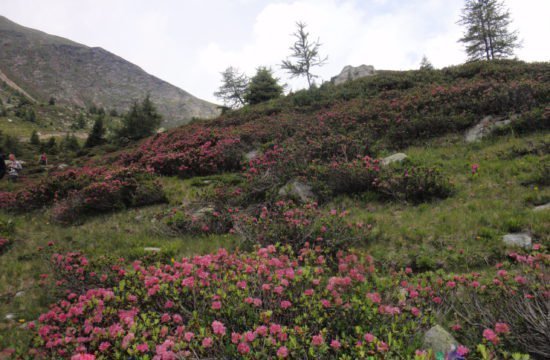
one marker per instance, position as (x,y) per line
(297,190)
(394,158)
(520,240)
(439,340)
(349,73)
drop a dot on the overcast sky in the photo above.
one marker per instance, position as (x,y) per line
(189,42)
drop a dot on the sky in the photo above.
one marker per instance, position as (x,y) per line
(190,42)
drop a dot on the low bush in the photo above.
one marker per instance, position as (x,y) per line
(274,303)
(299,225)
(125,188)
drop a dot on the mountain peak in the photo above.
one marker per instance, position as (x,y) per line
(45,66)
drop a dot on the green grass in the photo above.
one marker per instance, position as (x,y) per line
(460,233)
(473,220)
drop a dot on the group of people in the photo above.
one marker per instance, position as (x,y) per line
(13,168)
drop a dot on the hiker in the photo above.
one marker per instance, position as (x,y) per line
(2,165)
(43,160)
(14,168)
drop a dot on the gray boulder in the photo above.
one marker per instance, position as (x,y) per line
(486,126)
(351,73)
(542,207)
(520,240)
(439,340)
(251,155)
(151,249)
(297,190)
(202,212)
(394,158)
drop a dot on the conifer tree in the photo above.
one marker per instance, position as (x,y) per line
(487,35)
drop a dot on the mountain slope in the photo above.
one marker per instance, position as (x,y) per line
(44,65)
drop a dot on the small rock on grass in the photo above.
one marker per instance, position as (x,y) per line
(520,240)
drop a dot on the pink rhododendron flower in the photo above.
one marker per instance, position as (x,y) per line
(317,340)
(104,346)
(335,344)
(218,327)
(490,335)
(243,348)
(369,337)
(142,347)
(462,350)
(502,328)
(207,342)
(282,352)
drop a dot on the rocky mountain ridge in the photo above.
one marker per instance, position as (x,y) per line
(45,66)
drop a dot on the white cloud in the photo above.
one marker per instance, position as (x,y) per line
(189,42)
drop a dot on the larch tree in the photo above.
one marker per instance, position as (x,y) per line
(306,55)
(487,35)
(233,88)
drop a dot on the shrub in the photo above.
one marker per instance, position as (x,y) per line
(117,190)
(298,226)
(414,184)
(200,220)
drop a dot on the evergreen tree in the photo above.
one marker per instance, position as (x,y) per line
(96,136)
(80,122)
(233,88)
(306,55)
(263,87)
(141,121)
(487,35)
(425,64)
(34,140)
(3,111)
(70,143)
(30,115)
(51,102)
(51,146)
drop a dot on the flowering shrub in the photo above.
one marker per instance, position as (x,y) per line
(521,288)
(194,151)
(298,226)
(4,245)
(264,305)
(205,220)
(414,184)
(116,190)
(273,303)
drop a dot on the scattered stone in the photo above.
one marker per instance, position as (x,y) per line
(202,212)
(10,120)
(297,190)
(399,157)
(251,155)
(62,166)
(19,293)
(151,249)
(349,73)
(439,340)
(485,127)
(138,217)
(542,207)
(10,316)
(520,240)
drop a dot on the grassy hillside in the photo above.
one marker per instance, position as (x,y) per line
(367,258)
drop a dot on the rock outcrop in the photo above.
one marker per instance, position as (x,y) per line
(351,73)
(485,127)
